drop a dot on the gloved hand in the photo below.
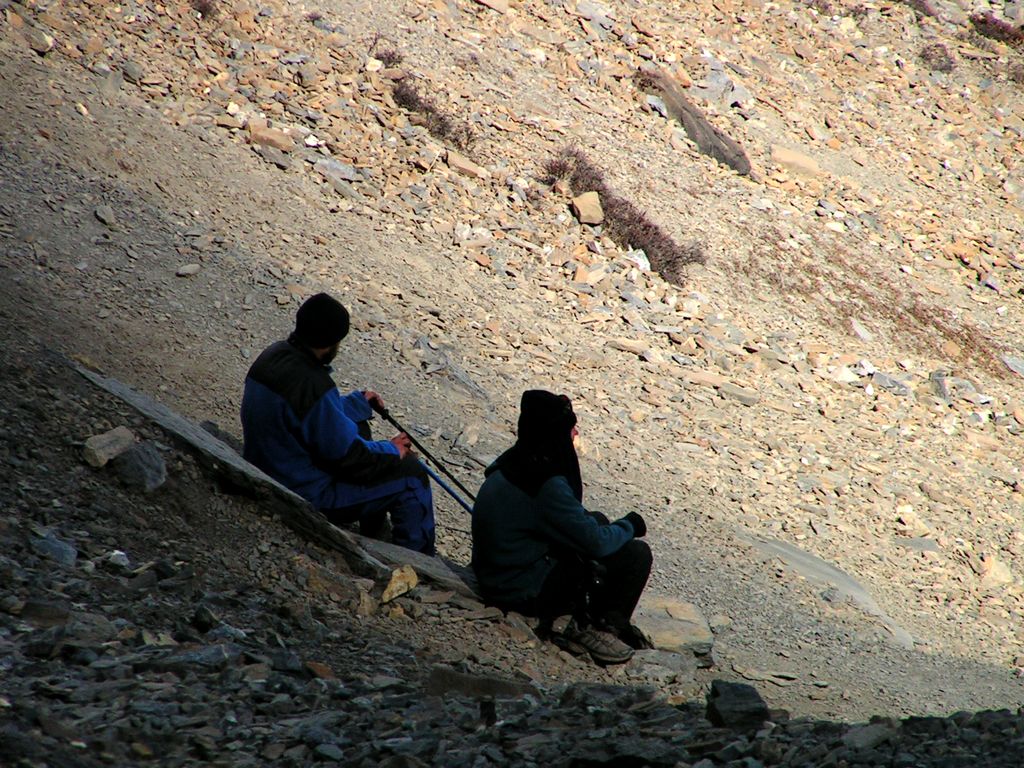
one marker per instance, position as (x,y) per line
(639,526)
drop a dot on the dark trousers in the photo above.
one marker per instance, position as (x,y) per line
(410,507)
(411,510)
(602,592)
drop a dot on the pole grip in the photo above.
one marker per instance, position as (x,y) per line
(416,444)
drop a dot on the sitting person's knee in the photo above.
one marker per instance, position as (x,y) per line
(640,552)
(411,466)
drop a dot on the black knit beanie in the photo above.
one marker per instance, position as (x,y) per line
(321,321)
(544,416)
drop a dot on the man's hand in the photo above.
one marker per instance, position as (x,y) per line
(403,443)
(376,401)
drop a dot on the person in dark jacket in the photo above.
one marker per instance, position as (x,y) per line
(300,430)
(537,550)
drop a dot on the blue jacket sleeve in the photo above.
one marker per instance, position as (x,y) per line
(566,521)
(327,430)
(334,442)
(355,406)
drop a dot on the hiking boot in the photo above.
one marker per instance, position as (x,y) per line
(567,643)
(603,647)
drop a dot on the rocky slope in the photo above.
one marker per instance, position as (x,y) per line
(149,616)
(835,388)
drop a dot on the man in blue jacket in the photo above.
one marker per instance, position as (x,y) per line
(312,439)
(538,551)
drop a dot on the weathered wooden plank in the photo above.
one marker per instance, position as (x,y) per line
(295,511)
(710,139)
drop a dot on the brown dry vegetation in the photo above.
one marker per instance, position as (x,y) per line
(938,58)
(851,289)
(624,223)
(205,8)
(922,8)
(389,57)
(1000,30)
(442,126)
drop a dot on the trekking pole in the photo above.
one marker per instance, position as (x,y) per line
(387,417)
(448,488)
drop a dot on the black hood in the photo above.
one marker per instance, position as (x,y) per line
(544,447)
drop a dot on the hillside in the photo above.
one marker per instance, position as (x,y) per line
(837,384)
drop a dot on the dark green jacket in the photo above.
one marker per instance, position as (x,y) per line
(513,535)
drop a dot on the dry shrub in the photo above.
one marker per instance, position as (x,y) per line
(937,57)
(440,125)
(645,81)
(557,168)
(1000,30)
(859,292)
(205,8)
(389,57)
(922,8)
(624,223)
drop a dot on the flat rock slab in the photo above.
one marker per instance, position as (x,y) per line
(816,570)
(46,613)
(674,625)
(742,394)
(794,161)
(1015,364)
(710,139)
(55,549)
(432,568)
(465,166)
